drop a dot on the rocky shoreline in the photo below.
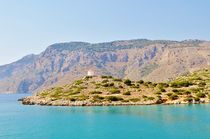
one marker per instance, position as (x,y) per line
(49,102)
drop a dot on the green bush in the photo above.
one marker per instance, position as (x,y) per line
(178,84)
(134,99)
(175,90)
(76,91)
(150,98)
(140,81)
(88,77)
(108,84)
(158,93)
(105,81)
(114,91)
(202,84)
(125,100)
(127,82)
(186,92)
(134,86)
(173,97)
(162,85)
(95,92)
(113,98)
(111,84)
(120,86)
(145,97)
(127,93)
(162,90)
(82,97)
(197,99)
(169,94)
(117,80)
(78,82)
(103,76)
(201,95)
(97,98)
(105,85)
(189,99)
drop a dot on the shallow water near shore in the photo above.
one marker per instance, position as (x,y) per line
(124,122)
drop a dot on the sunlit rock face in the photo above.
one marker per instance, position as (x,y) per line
(135,59)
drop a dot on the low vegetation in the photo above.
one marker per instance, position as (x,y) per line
(194,87)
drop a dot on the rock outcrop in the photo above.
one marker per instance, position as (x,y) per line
(135,59)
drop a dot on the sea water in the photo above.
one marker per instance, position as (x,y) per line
(121,122)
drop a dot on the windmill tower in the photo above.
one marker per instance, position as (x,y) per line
(90,73)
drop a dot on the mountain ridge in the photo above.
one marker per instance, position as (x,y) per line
(137,59)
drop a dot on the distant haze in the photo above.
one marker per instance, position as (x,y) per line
(30,26)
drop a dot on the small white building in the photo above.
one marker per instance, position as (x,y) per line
(90,73)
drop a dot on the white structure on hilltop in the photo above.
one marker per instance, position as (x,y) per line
(90,73)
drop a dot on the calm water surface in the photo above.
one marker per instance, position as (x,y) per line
(130,122)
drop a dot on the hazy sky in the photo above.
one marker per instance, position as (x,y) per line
(29,26)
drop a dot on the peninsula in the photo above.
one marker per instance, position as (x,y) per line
(109,91)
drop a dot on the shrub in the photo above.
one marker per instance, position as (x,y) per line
(125,100)
(197,99)
(127,82)
(114,91)
(201,95)
(175,90)
(105,81)
(114,98)
(196,90)
(150,98)
(158,93)
(103,76)
(105,85)
(88,77)
(134,86)
(162,90)
(189,99)
(202,84)
(163,85)
(78,82)
(117,80)
(120,86)
(179,84)
(108,84)
(111,84)
(134,99)
(127,93)
(144,96)
(178,93)
(169,94)
(72,99)
(140,81)
(97,98)
(82,97)
(174,97)
(95,92)
(186,92)
(76,91)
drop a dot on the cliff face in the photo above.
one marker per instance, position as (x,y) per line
(135,59)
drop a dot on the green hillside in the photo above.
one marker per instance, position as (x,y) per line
(107,90)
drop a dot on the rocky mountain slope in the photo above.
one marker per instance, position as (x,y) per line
(106,90)
(62,63)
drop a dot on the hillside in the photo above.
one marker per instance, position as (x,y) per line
(106,90)
(62,63)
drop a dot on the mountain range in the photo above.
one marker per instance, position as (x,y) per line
(63,63)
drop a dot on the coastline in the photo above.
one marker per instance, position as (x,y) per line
(43,102)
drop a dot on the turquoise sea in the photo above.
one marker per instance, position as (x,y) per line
(121,122)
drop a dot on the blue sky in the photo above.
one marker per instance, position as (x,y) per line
(29,26)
